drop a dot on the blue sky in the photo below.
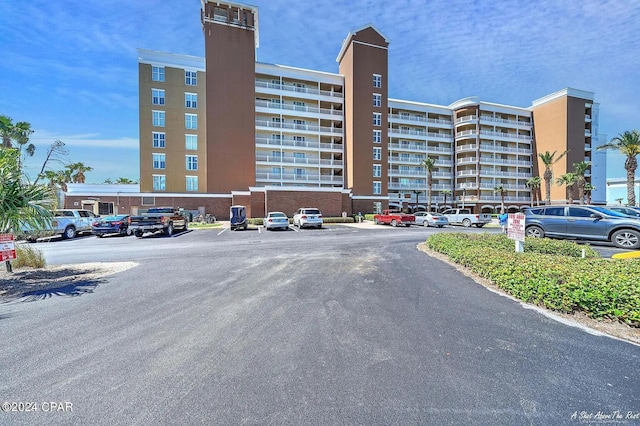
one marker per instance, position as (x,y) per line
(69,67)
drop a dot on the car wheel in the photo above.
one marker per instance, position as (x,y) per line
(535,232)
(138,233)
(440,226)
(626,239)
(69,233)
(186,226)
(479,225)
(466,223)
(169,230)
(407,225)
(129,232)
(394,223)
(425,223)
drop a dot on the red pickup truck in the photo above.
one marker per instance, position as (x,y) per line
(394,218)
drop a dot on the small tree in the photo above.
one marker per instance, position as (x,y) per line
(580,169)
(429,164)
(587,190)
(501,190)
(534,184)
(16,134)
(445,192)
(569,180)
(628,143)
(77,171)
(549,159)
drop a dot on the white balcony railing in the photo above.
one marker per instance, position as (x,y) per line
(294,177)
(297,108)
(292,88)
(289,142)
(302,127)
(286,159)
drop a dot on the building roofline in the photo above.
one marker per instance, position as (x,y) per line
(241,6)
(352,33)
(156,57)
(567,91)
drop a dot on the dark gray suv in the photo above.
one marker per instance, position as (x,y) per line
(583,223)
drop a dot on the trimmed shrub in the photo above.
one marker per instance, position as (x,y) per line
(550,273)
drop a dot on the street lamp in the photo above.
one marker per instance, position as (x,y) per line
(464,195)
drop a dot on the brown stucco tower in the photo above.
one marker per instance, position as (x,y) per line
(231,39)
(363,61)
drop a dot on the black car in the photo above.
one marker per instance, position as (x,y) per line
(583,223)
(118,224)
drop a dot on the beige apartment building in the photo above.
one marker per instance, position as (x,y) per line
(225,129)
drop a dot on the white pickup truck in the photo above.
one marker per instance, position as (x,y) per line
(65,222)
(466,218)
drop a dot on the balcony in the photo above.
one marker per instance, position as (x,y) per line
(301,127)
(468,160)
(298,178)
(418,119)
(505,161)
(279,106)
(489,172)
(486,147)
(466,134)
(466,119)
(505,135)
(490,119)
(298,161)
(292,88)
(470,147)
(289,142)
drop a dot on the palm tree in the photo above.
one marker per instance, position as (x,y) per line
(580,169)
(628,143)
(569,180)
(77,171)
(549,159)
(619,200)
(18,133)
(502,191)
(22,204)
(429,164)
(588,187)
(534,184)
(123,180)
(445,192)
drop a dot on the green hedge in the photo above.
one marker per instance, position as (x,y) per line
(550,273)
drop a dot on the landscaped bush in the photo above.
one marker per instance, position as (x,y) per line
(29,257)
(550,273)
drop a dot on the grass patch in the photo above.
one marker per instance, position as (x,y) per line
(550,273)
(28,257)
(198,225)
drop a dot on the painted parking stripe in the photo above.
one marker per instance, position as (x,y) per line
(223,229)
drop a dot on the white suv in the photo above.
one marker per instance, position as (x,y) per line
(307,216)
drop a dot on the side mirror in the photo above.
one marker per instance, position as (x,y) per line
(596,216)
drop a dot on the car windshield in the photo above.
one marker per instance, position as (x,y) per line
(277,215)
(311,211)
(609,212)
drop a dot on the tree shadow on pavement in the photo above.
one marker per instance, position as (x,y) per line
(40,284)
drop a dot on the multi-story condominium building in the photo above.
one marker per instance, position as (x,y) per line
(225,129)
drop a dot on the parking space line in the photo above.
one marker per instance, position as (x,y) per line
(293,227)
(223,229)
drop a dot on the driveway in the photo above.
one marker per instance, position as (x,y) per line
(341,325)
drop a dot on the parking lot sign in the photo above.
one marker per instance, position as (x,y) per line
(7,247)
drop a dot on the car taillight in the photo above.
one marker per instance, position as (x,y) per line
(117,223)
(319,216)
(477,216)
(304,216)
(94,224)
(270,220)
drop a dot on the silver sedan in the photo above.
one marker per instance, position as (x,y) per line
(275,220)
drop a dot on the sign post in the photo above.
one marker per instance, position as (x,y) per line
(515,230)
(7,250)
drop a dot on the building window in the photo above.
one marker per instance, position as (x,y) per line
(191,121)
(191,78)
(192,183)
(377,100)
(377,153)
(190,100)
(159,161)
(157,96)
(159,182)
(377,119)
(300,173)
(377,187)
(377,80)
(192,162)
(191,142)
(148,201)
(377,170)
(157,73)
(377,136)
(276,155)
(158,118)
(300,124)
(276,172)
(158,139)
